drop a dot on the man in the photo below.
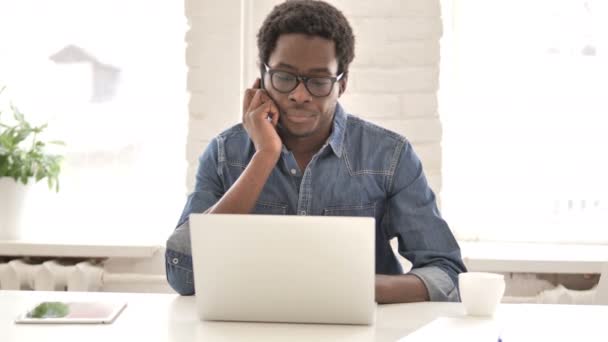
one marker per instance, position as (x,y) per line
(297,152)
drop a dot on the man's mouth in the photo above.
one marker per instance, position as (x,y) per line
(299,116)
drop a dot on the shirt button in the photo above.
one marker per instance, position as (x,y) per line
(293,172)
(302,212)
(175,261)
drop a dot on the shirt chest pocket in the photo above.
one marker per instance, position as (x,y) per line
(270,208)
(365,210)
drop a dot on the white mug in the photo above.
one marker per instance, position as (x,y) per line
(481,292)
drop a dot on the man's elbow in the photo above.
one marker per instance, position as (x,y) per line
(179,272)
(181,288)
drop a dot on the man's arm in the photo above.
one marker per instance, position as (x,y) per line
(402,288)
(260,118)
(242,195)
(209,196)
(424,238)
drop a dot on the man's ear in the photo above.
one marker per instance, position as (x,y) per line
(342,84)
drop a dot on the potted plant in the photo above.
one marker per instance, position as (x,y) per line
(23,160)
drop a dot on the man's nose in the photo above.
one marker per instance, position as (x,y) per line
(300,94)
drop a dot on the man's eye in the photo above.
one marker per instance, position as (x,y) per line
(284,77)
(319,82)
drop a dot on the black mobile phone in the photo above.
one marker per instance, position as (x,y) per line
(262,70)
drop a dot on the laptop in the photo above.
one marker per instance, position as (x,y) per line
(295,269)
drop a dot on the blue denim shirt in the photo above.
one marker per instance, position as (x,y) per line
(362,170)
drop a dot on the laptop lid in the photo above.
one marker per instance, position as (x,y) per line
(271,268)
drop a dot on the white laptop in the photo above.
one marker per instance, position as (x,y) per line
(297,269)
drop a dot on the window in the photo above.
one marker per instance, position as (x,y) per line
(524,111)
(109,78)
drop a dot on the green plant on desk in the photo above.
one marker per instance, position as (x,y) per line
(23,155)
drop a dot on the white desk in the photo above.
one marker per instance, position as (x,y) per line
(533,257)
(163,317)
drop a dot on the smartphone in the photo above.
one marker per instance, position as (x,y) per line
(262,70)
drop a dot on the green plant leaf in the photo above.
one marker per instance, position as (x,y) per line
(18,115)
(49,310)
(22,154)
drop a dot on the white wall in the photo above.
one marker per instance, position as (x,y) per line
(393,80)
(214,57)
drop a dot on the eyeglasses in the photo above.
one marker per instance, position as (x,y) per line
(285,82)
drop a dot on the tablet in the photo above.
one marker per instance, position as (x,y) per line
(72,312)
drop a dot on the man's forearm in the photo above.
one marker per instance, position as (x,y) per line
(241,197)
(402,288)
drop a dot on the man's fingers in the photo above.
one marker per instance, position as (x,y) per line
(273,111)
(268,111)
(255,101)
(258,103)
(265,110)
(249,93)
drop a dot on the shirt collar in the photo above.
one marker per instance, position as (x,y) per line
(336,139)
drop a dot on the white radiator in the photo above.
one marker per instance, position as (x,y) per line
(50,275)
(65,275)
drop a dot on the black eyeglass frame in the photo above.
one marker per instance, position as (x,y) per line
(302,79)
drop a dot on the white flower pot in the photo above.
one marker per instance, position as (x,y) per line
(12,202)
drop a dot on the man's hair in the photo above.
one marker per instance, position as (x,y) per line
(313,18)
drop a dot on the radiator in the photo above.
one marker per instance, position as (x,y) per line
(67,275)
(50,275)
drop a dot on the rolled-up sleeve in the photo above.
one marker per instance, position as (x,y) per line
(424,237)
(440,286)
(208,190)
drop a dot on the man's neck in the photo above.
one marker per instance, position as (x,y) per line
(304,148)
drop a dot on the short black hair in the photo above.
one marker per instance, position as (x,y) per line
(313,18)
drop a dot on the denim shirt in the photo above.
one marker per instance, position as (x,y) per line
(362,170)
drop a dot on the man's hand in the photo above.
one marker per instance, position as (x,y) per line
(260,118)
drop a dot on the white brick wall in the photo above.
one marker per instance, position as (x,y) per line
(394,79)
(214,57)
(395,76)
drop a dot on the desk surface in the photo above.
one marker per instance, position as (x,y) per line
(534,257)
(164,317)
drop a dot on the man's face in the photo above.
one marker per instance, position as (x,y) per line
(303,114)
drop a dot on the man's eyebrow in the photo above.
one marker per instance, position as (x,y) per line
(325,70)
(288,66)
